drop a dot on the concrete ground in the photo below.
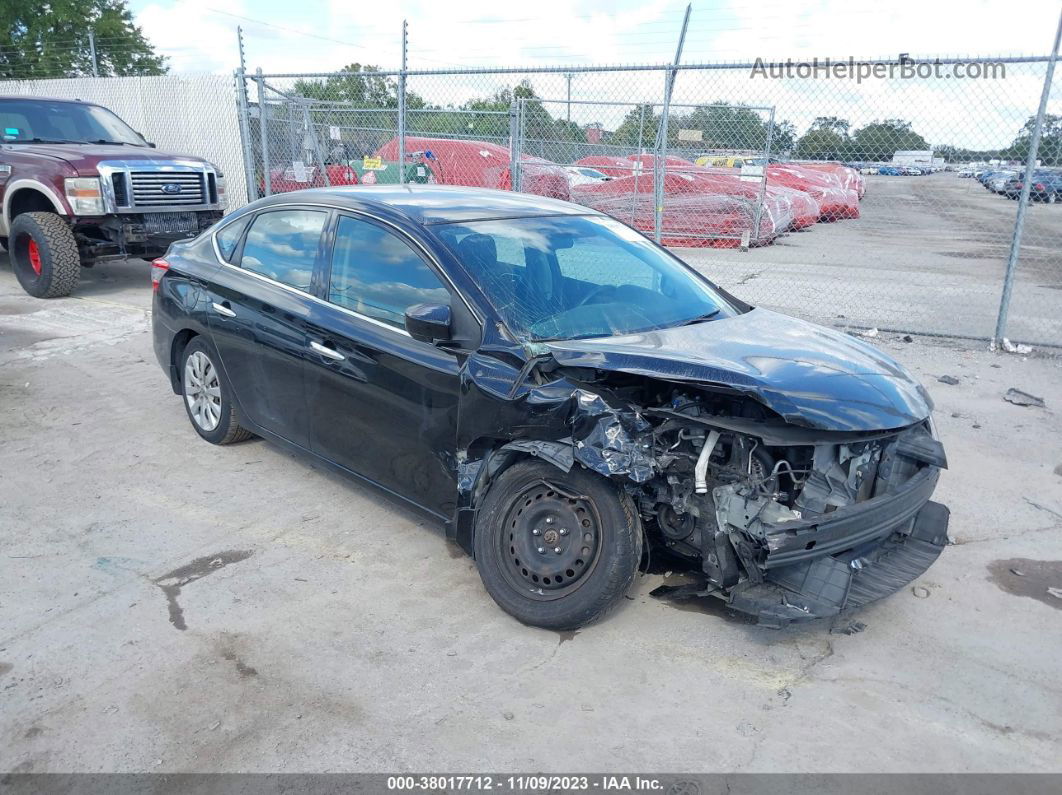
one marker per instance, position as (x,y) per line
(928,254)
(167,605)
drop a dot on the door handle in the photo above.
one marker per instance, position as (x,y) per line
(223,309)
(324,350)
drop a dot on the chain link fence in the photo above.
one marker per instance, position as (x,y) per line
(884,194)
(881,195)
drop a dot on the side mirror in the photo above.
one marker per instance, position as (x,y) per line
(428,322)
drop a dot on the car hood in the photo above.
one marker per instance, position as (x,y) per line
(812,376)
(85,158)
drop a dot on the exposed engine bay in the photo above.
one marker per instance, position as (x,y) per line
(771,512)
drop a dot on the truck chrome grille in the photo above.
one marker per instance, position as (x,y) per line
(167,188)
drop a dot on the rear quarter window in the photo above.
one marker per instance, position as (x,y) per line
(228,237)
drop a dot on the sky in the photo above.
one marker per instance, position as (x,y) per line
(321,35)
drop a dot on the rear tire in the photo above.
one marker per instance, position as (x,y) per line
(44,255)
(207,396)
(556,550)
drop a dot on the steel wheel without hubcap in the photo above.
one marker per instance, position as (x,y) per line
(202,391)
(552,542)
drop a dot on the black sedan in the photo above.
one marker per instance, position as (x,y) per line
(561,393)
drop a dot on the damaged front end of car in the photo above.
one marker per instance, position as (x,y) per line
(789,523)
(793,491)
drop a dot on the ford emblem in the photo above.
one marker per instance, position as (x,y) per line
(171,188)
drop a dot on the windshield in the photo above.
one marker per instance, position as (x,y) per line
(571,277)
(43,121)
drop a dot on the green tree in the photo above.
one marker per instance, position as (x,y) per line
(1050,151)
(638,118)
(822,145)
(358,85)
(784,138)
(51,40)
(722,126)
(880,140)
(832,124)
(826,139)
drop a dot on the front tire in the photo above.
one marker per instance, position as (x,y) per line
(556,550)
(208,399)
(44,255)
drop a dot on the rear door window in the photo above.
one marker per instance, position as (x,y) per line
(378,274)
(282,245)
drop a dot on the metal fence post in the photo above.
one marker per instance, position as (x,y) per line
(516,124)
(758,215)
(1023,199)
(661,140)
(245,122)
(263,128)
(402,108)
(311,130)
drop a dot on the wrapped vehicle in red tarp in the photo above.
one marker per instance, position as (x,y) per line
(782,209)
(783,203)
(849,177)
(693,215)
(609,165)
(835,200)
(480,164)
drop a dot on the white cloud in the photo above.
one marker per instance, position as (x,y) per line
(485,33)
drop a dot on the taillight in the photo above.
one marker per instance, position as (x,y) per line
(1039,186)
(158,268)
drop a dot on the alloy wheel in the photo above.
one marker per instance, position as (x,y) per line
(202,391)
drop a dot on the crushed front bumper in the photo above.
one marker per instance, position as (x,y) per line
(800,589)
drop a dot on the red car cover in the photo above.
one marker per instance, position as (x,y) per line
(480,164)
(849,177)
(692,216)
(835,200)
(781,210)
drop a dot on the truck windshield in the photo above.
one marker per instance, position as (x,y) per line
(44,121)
(571,277)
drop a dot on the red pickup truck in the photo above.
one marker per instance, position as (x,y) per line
(79,185)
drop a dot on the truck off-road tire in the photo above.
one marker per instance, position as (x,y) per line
(207,396)
(556,550)
(44,255)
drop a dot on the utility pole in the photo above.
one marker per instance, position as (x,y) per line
(661,134)
(568,76)
(92,53)
(402,105)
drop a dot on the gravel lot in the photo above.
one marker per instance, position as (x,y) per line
(166,605)
(927,255)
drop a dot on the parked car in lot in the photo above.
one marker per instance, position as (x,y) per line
(996,179)
(1046,186)
(890,171)
(559,391)
(79,186)
(584,175)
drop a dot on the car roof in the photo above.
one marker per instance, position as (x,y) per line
(431,204)
(45,99)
